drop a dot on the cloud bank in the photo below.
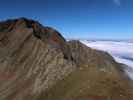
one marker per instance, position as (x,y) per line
(121,51)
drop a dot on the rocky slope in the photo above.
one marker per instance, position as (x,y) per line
(37,63)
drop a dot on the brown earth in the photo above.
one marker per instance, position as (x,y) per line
(37,63)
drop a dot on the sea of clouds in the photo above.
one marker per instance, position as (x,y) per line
(122,51)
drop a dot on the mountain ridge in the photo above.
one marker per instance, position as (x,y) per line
(37,63)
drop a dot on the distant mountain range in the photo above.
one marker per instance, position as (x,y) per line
(37,63)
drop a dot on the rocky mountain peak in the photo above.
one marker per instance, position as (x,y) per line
(39,30)
(47,34)
(37,63)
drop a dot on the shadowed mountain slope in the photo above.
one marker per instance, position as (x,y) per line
(37,63)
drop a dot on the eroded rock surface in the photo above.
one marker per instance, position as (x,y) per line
(37,63)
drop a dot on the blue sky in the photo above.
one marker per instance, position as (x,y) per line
(109,19)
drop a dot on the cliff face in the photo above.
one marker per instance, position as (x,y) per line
(36,63)
(32,59)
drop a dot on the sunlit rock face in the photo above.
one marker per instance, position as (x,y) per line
(32,58)
(37,63)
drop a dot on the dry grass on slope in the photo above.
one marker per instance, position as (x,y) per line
(89,83)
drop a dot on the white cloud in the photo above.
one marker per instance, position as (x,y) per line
(121,51)
(117,2)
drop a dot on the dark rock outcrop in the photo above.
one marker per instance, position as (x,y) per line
(37,63)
